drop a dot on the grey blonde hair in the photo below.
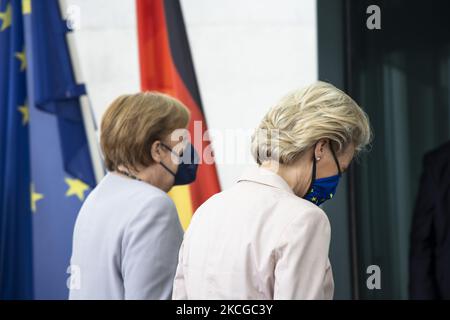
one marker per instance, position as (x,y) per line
(303,117)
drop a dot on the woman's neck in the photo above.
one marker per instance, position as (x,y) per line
(297,175)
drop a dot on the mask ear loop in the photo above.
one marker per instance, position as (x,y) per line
(335,159)
(162,163)
(313,176)
(167,168)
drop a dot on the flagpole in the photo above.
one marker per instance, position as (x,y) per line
(86,108)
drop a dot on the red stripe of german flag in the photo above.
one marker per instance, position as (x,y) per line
(166,66)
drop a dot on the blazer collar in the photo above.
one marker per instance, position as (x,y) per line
(266,177)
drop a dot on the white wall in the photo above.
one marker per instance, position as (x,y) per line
(247,54)
(107,49)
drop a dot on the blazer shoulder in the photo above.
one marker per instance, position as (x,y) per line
(302,208)
(441,153)
(152,204)
(437,163)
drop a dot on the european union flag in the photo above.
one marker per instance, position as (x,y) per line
(15,206)
(46,159)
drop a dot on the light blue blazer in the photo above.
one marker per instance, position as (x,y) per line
(125,243)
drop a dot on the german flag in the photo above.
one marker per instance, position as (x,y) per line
(166,66)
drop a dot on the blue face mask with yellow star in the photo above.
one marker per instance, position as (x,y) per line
(323,189)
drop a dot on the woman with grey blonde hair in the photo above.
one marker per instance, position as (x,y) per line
(266,237)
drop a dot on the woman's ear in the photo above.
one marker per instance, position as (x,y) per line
(319,149)
(156,151)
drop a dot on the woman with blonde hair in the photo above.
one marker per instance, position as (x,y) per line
(266,237)
(127,234)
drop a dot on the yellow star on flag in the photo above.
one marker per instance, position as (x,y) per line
(25,114)
(76,187)
(35,197)
(23,59)
(26,6)
(6,17)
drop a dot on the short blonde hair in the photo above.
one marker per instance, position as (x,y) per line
(133,122)
(303,117)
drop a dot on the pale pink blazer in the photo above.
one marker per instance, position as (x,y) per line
(256,240)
